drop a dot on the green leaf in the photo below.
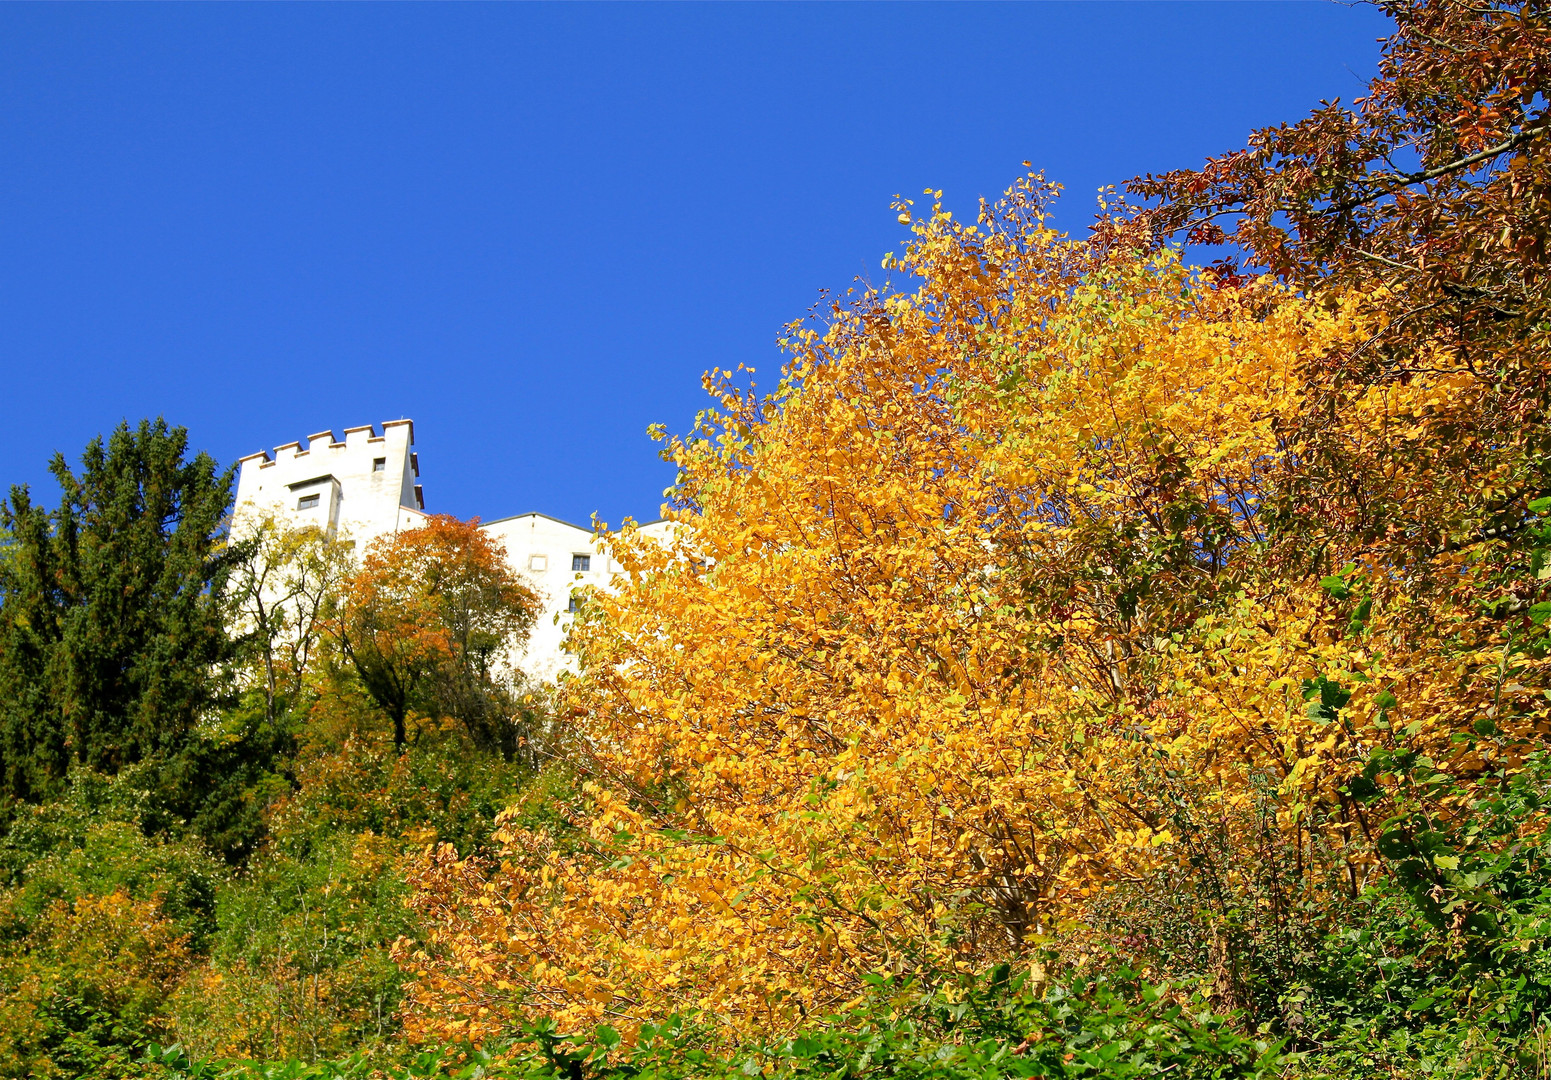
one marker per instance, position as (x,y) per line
(1335,586)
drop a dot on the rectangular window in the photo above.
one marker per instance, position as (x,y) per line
(575,604)
(538,562)
(581,562)
(306,502)
(379,464)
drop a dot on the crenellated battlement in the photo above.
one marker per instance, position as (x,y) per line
(355,438)
(362,485)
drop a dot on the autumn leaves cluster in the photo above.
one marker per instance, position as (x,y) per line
(430,622)
(1030,595)
(1064,601)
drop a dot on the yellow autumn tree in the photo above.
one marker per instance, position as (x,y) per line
(971,622)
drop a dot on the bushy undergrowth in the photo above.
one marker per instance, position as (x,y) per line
(116,932)
(1437,969)
(1114,1027)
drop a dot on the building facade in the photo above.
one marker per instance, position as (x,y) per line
(358,487)
(366,485)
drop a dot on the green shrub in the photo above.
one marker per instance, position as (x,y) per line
(1443,966)
(1104,1029)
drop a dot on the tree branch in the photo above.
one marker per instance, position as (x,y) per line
(1424,175)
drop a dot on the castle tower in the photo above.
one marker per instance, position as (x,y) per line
(358,488)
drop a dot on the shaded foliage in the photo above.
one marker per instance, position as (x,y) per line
(109,607)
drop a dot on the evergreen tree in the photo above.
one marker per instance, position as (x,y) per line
(110,626)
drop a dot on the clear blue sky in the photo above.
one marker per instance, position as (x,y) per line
(532,227)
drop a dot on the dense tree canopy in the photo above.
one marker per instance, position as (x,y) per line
(954,617)
(430,622)
(109,608)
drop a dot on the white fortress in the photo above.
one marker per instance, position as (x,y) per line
(365,485)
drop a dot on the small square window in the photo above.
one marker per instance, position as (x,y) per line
(379,464)
(575,603)
(581,562)
(538,562)
(306,502)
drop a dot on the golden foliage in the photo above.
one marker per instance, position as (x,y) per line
(972,620)
(97,956)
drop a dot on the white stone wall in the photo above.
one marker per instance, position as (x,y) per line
(557,558)
(365,485)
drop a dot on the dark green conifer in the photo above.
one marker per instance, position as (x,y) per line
(110,629)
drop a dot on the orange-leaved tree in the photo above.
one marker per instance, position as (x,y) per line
(1075,589)
(970,620)
(430,622)
(1429,200)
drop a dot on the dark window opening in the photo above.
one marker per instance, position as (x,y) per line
(575,604)
(581,562)
(306,502)
(379,464)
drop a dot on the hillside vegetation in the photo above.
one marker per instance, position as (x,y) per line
(1081,663)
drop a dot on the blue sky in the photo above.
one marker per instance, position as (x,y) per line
(532,227)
